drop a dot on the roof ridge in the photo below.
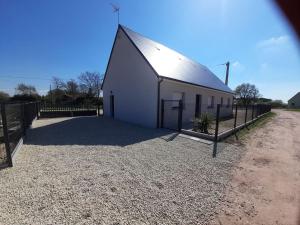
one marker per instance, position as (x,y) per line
(295,95)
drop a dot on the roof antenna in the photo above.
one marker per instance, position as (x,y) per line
(227,71)
(116,9)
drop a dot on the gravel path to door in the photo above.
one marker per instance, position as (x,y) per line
(91,170)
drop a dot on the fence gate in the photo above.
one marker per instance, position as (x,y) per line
(171,114)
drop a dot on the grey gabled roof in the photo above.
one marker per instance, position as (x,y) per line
(172,65)
(295,96)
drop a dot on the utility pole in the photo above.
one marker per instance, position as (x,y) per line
(51,99)
(227,72)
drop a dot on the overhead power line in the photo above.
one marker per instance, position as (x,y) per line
(30,78)
(24,77)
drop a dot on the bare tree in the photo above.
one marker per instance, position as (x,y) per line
(90,82)
(58,90)
(23,89)
(72,88)
(58,83)
(247,93)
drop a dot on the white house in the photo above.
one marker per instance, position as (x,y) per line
(294,101)
(141,72)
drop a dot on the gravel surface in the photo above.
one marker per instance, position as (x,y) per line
(90,170)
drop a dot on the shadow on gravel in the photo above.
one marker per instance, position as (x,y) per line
(91,131)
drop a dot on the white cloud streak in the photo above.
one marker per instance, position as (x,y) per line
(273,41)
(238,66)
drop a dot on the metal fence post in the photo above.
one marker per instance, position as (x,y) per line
(246,114)
(5,136)
(235,117)
(180,115)
(216,130)
(252,112)
(37,110)
(162,113)
(23,119)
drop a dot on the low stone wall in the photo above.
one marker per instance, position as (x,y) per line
(53,114)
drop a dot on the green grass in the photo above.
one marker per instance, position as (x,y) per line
(294,110)
(242,134)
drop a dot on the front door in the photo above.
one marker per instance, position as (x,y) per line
(112,106)
(198,105)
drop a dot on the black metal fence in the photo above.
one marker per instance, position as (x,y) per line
(241,116)
(15,119)
(212,122)
(67,110)
(223,121)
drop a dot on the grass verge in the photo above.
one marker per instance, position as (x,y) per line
(294,110)
(242,134)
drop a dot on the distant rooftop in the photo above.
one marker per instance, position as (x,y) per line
(296,95)
(172,65)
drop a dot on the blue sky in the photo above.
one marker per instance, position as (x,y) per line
(41,39)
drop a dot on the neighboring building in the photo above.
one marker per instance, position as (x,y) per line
(294,102)
(141,72)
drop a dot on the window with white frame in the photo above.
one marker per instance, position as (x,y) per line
(210,101)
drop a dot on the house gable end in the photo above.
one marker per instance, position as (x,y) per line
(120,29)
(132,82)
(294,97)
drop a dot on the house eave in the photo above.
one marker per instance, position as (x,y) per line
(198,85)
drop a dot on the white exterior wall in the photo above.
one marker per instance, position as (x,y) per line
(294,102)
(168,87)
(133,84)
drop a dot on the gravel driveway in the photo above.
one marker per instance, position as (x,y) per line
(91,170)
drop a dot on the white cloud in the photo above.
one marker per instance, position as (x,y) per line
(277,52)
(238,66)
(43,91)
(273,41)
(264,65)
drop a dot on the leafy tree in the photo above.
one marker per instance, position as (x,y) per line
(23,89)
(25,98)
(247,93)
(3,96)
(278,104)
(26,93)
(264,100)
